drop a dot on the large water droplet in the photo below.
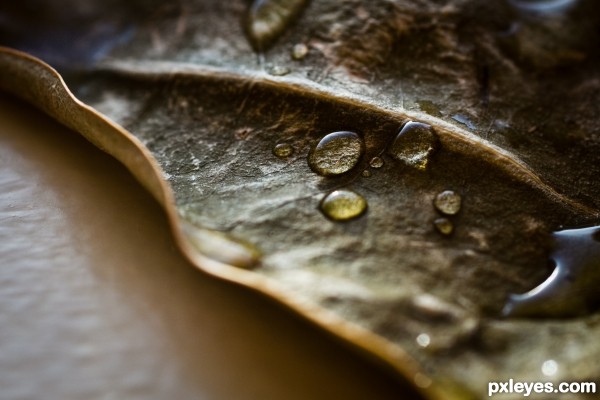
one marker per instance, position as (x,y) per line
(341,205)
(447,202)
(336,153)
(414,145)
(283,150)
(572,288)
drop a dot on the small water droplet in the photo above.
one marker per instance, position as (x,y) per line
(444,226)
(299,51)
(376,162)
(366,173)
(447,202)
(336,153)
(423,340)
(549,367)
(342,205)
(278,70)
(283,150)
(414,145)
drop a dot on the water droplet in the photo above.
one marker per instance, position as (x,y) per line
(447,202)
(299,51)
(336,153)
(376,162)
(278,70)
(414,145)
(423,340)
(572,288)
(283,150)
(366,173)
(268,19)
(444,226)
(549,367)
(341,205)
(221,247)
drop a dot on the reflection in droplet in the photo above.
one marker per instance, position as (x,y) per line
(336,153)
(341,205)
(549,367)
(447,202)
(268,19)
(444,226)
(414,145)
(283,150)
(423,340)
(376,162)
(299,51)
(572,288)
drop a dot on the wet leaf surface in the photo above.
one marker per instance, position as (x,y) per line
(508,101)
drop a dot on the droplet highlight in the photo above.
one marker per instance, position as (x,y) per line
(299,51)
(336,153)
(366,173)
(414,145)
(444,226)
(267,20)
(283,150)
(448,202)
(343,205)
(376,162)
(572,288)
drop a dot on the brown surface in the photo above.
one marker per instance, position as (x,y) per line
(96,302)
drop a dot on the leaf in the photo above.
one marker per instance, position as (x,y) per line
(513,110)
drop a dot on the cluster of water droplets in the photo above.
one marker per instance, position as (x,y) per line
(340,152)
(447,203)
